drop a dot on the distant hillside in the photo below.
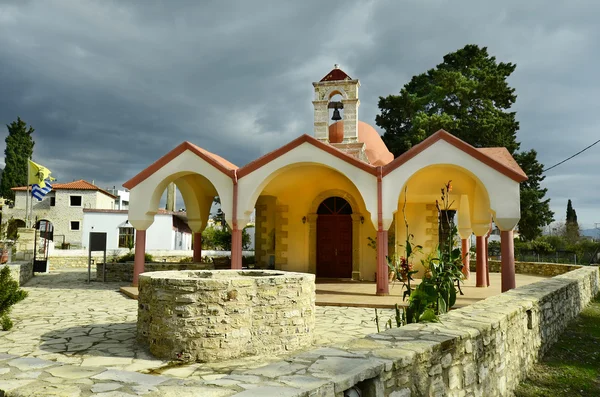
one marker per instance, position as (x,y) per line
(590,232)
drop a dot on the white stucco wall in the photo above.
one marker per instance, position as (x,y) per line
(159,236)
(251,186)
(503,191)
(145,197)
(62,213)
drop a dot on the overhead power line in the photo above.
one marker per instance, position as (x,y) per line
(569,158)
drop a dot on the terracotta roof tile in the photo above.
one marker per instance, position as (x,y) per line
(502,155)
(216,161)
(336,75)
(492,157)
(75,185)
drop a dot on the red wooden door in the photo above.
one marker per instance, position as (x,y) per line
(334,240)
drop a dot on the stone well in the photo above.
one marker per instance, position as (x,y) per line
(210,315)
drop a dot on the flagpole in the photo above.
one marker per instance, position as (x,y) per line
(27,224)
(31,210)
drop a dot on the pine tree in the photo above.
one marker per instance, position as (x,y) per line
(535,208)
(467,95)
(19,149)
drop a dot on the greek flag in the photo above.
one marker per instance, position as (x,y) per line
(39,192)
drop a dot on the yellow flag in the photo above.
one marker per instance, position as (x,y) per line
(38,174)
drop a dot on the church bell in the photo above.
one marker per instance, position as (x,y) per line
(336,115)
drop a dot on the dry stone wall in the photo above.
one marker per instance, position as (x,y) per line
(21,271)
(537,268)
(64,259)
(123,272)
(481,350)
(213,315)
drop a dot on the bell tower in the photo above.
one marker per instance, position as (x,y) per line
(336,82)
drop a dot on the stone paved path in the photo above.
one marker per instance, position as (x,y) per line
(66,320)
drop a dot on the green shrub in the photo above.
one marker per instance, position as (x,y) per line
(130,257)
(220,239)
(10,293)
(6,323)
(189,259)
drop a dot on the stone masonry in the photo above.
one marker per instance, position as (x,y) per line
(207,316)
(123,272)
(481,350)
(538,268)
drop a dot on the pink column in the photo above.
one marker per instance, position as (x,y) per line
(481,263)
(507,245)
(487,258)
(140,252)
(198,247)
(466,258)
(382,267)
(236,248)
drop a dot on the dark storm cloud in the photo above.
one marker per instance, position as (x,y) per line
(110,86)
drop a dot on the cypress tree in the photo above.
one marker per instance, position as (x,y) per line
(19,149)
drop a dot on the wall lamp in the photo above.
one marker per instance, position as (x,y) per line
(362,219)
(303,219)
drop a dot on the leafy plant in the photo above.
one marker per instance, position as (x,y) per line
(437,294)
(130,257)
(402,266)
(399,318)
(10,293)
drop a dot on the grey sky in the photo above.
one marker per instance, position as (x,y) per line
(110,86)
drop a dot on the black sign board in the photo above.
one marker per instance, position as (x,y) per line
(97,241)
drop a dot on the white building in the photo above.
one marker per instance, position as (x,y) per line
(63,207)
(168,232)
(122,200)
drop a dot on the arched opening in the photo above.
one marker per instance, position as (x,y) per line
(12,228)
(468,208)
(334,238)
(335,107)
(287,204)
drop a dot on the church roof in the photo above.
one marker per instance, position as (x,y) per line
(215,160)
(267,158)
(375,149)
(497,158)
(336,74)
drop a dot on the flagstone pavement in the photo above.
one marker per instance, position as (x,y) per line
(67,320)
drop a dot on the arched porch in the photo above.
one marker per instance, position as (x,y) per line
(291,228)
(484,189)
(198,175)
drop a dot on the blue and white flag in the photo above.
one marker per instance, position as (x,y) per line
(39,192)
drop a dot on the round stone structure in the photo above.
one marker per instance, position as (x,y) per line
(210,315)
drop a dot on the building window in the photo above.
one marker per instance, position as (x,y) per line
(75,201)
(125,237)
(74,225)
(52,201)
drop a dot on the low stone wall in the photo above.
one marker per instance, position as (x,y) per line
(21,271)
(484,349)
(123,272)
(207,316)
(62,259)
(536,268)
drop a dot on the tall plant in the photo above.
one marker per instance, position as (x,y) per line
(437,294)
(402,266)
